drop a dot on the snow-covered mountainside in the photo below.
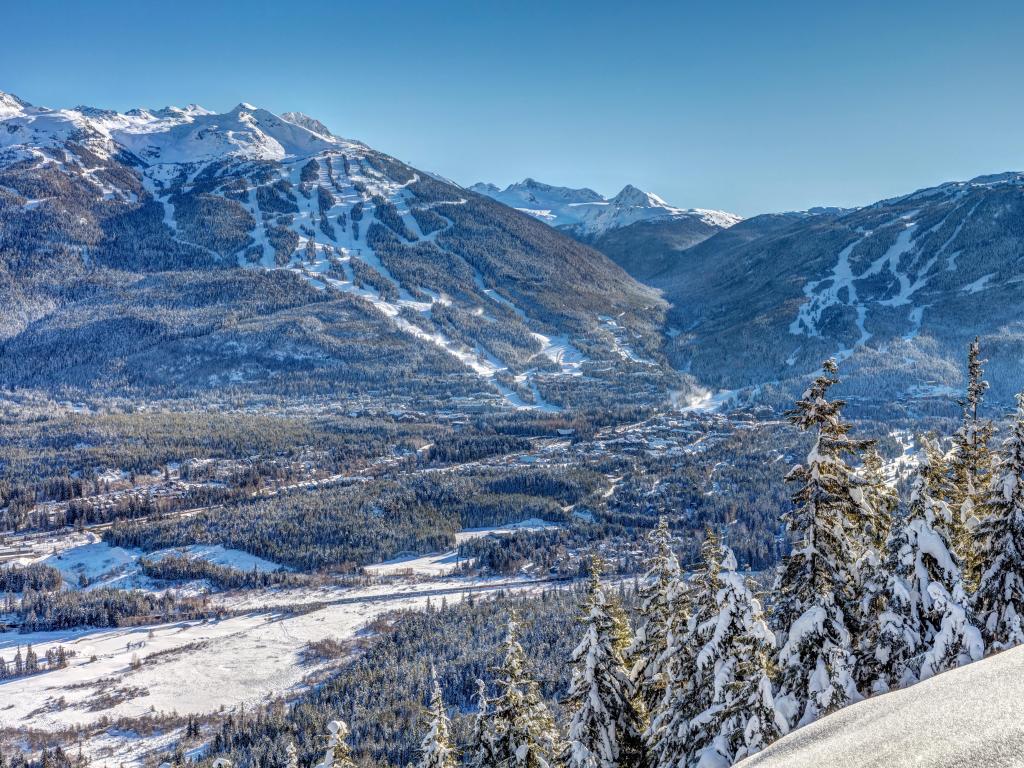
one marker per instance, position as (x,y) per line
(894,290)
(585,212)
(971,716)
(182,248)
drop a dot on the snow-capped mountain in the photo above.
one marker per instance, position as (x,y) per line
(169,135)
(345,261)
(587,213)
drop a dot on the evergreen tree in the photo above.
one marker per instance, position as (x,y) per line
(880,501)
(878,504)
(481,742)
(524,732)
(658,595)
(756,720)
(733,666)
(999,601)
(925,581)
(970,465)
(605,727)
(436,748)
(957,641)
(338,754)
(668,738)
(815,582)
(291,756)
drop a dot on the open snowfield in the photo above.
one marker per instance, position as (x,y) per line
(191,666)
(971,717)
(198,667)
(84,556)
(444,563)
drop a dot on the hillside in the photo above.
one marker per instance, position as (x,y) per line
(895,289)
(175,251)
(971,716)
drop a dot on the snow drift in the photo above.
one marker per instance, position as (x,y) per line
(967,717)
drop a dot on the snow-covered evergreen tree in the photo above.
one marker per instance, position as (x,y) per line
(480,753)
(733,668)
(924,585)
(970,466)
(878,503)
(657,598)
(436,750)
(669,739)
(957,641)
(814,588)
(757,720)
(338,754)
(524,733)
(999,601)
(291,756)
(605,727)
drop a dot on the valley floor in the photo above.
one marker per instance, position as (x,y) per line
(264,649)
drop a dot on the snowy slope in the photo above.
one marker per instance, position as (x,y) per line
(894,290)
(586,212)
(252,189)
(245,131)
(169,135)
(972,716)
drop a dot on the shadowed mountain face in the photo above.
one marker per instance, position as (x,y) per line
(895,289)
(177,251)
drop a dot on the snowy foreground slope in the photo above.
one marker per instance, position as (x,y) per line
(971,716)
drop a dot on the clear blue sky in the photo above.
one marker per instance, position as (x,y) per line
(748,107)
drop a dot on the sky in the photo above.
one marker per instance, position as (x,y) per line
(746,107)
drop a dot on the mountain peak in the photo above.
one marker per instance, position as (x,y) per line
(634,196)
(311,124)
(11,105)
(588,212)
(485,188)
(192,110)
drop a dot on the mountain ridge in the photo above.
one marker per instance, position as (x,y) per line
(586,212)
(520,309)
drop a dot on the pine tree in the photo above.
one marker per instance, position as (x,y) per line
(481,742)
(924,585)
(957,641)
(668,737)
(436,748)
(756,719)
(881,501)
(878,504)
(970,465)
(999,602)
(291,756)
(658,596)
(524,732)
(338,754)
(815,582)
(733,666)
(605,726)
